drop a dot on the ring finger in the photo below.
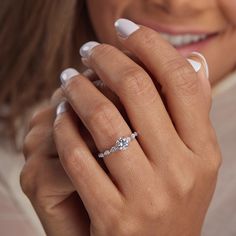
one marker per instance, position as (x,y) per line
(106,125)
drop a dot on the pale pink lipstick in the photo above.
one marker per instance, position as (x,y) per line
(184,39)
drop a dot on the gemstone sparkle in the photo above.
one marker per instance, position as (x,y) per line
(122,143)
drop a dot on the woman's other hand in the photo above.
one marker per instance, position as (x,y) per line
(45,182)
(43,178)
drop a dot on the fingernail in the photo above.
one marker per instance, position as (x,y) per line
(86,48)
(61,108)
(195,64)
(125,27)
(68,74)
(204,61)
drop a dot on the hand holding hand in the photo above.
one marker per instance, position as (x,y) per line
(163,183)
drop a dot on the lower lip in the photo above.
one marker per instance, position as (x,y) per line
(197,46)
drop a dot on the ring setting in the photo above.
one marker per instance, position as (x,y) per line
(121,144)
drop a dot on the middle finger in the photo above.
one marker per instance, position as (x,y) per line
(137,92)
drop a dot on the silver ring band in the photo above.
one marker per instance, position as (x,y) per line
(121,144)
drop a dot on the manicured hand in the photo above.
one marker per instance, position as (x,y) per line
(43,178)
(45,182)
(163,183)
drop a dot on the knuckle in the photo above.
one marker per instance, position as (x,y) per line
(154,206)
(72,159)
(152,210)
(72,86)
(186,187)
(58,125)
(124,227)
(27,181)
(180,76)
(39,115)
(134,81)
(35,119)
(105,116)
(28,145)
(33,183)
(37,138)
(184,178)
(115,220)
(218,159)
(212,150)
(150,39)
(57,96)
(102,51)
(99,113)
(216,152)
(215,163)
(128,229)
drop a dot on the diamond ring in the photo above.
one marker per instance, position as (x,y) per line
(122,143)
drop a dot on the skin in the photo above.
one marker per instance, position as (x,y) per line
(182,15)
(146,190)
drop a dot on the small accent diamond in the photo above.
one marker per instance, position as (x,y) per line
(107,152)
(128,139)
(100,155)
(113,149)
(133,135)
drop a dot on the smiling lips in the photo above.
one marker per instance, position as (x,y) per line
(184,39)
(179,37)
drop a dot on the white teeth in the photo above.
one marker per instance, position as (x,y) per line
(181,40)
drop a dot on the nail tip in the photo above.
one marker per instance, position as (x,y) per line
(81,52)
(121,21)
(125,27)
(204,60)
(67,74)
(61,108)
(86,48)
(195,64)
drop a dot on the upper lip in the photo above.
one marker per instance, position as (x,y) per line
(176,29)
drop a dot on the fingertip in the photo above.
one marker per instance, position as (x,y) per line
(195,64)
(68,74)
(203,76)
(200,58)
(125,27)
(61,108)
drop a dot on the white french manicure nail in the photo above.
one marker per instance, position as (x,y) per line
(68,74)
(86,48)
(195,64)
(125,27)
(204,61)
(61,108)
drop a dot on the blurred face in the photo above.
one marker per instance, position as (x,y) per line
(207,26)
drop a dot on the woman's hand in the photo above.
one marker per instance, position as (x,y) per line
(45,182)
(163,183)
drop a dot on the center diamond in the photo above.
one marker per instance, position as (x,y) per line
(122,143)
